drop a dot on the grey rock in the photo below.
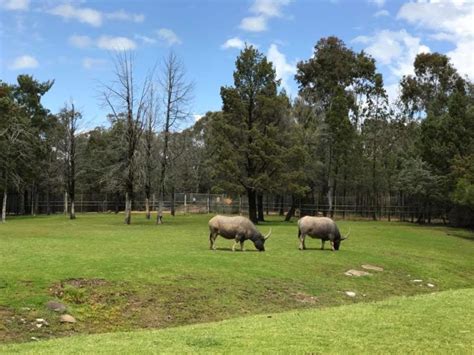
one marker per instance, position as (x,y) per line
(56,306)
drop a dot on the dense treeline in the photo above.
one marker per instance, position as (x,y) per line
(338,142)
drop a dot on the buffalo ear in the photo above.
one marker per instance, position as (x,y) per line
(268,235)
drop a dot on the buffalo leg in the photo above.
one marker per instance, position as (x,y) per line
(212,240)
(332,245)
(322,244)
(236,241)
(302,244)
(241,245)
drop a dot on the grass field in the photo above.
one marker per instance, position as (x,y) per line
(114,277)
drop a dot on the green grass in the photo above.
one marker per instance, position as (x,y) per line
(114,277)
(433,323)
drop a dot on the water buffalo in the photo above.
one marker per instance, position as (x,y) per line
(323,228)
(238,228)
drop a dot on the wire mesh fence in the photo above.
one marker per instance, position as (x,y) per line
(192,203)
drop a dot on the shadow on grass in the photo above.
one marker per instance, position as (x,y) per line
(236,250)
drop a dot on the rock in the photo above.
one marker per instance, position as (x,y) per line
(34,338)
(56,306)
(417,281)
(353,272)
(372,267)
(350,293)
(40,322)
(430,285)
(67,318)
(39,325)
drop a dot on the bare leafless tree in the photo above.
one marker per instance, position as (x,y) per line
(69,118)
(176,96)
(149,138)
(124,96)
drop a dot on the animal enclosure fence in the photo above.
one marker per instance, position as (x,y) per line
(390,208)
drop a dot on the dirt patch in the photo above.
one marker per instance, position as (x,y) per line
(100,305)
(305,298)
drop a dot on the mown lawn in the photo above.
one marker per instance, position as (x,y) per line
(114,277)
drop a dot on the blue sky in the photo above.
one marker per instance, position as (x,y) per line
(73,41)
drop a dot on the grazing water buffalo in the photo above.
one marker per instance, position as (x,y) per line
(323,228)
(238,228)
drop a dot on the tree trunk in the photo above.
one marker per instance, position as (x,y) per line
(147,208)
(48,205)
(72,214)
(117,202)
(22,192)
(4,205)
(252,197)
(65,203)
(32,200)
(173,212)
(260,213)
(36,205)
(281,211)
(291,211)
(128,209)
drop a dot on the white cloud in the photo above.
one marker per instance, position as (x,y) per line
(80,41)
(455,17)
(20,5)
(197,117)
(378,3)
(84,15)
(115,43)
(24,62)
(234,42)
(125,16)
(269,8)
(145,39)
(284,70)
(167,35)
(381,13)
(395,49)
(254,24)
(93,63)
(448,20)
(462,58)
(103,42)
(263,10)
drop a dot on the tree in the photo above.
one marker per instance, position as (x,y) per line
(122,98)
(69,118)
(176,98)
(244,137)
(13,142)
(330,82)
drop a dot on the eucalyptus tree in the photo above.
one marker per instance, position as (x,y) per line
(176,94)
(69,119)
(125,96)
(330,81)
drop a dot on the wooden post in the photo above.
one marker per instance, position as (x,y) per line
(185,204)
(208,205)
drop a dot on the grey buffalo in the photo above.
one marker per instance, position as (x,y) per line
(238,228)
(323,228)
